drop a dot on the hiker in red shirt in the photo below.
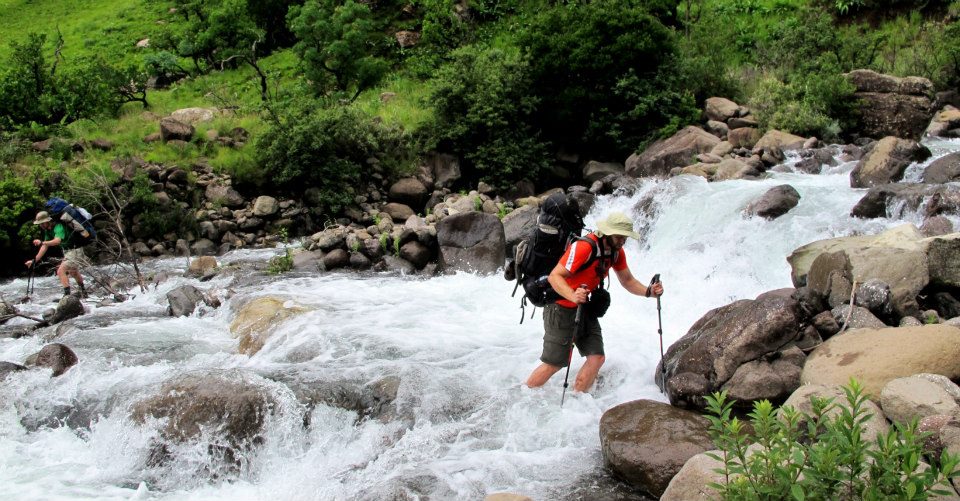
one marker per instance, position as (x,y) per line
(579,273)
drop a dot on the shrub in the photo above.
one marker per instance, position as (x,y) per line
(483,105)
(19,201)
(822,455)
(813,104)
(328,148)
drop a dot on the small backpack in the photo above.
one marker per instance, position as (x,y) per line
(558,224)
(76,219)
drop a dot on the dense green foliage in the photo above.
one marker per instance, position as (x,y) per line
(822,455)
(330,149)
(35,89)
(483,106)
(18,204)
(604,73)
(335,43)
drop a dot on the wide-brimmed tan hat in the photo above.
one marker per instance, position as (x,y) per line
(617,223)
(42,217)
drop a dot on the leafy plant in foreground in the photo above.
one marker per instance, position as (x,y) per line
(821,455)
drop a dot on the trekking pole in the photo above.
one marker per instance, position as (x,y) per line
(576,330)
(663,368)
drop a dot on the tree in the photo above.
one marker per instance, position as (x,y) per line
(483,105)
(336,45)
(602,70)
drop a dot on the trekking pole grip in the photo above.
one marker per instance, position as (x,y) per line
(579,315)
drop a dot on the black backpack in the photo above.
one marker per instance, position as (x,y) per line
(558,224)
(76,219)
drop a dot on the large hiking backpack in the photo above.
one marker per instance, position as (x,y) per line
(76,219)
(558,224)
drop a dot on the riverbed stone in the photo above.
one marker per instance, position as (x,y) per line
(257,319)
(692,482)
(56,356)
(647,442)
(800,401)
(886,162)
(877,356)
(234,404)
(919,396)
(775,202)
(722,341)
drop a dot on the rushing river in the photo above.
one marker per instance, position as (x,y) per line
(454,342)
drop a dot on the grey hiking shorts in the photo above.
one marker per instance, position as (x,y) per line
(558,327)
(74,258)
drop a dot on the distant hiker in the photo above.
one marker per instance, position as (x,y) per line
(55,234)
(605,247)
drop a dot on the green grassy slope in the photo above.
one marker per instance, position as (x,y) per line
(110,28)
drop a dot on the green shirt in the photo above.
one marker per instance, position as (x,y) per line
(58,231)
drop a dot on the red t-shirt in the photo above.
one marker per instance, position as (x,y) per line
(573,259)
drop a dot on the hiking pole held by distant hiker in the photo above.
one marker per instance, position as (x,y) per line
(577,322)
(33,267)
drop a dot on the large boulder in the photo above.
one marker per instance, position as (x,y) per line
(900,257)
(778,140)
(265,206)
(472,242)
(905,272)
(800,400)
(903,237)
(183,300)
(709,355)
(203,266)
(647,442)
(886,162)
(744,137)
(224,195)
(68,307)
(595,171)
(892,106)
(890,200)
(193,116)
(398,211)
(675,151)
(256,320)
(8,367)
(877,356)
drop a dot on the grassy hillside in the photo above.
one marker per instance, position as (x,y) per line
(109,28)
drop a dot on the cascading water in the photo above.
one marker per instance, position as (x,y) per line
(462,423)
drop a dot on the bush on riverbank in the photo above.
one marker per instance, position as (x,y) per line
(824,454)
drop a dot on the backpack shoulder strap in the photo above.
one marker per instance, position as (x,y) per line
(595,252)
